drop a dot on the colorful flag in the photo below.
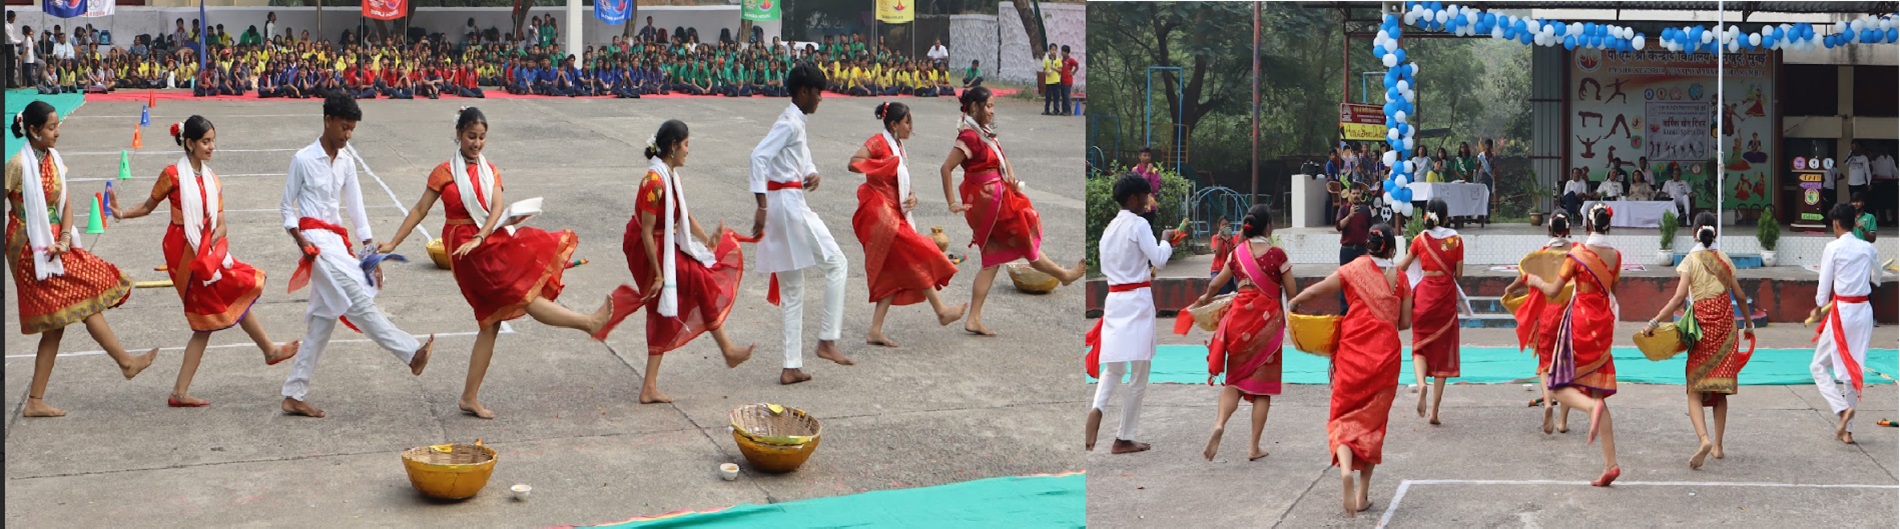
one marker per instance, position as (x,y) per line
(896,11)
(385,9)
(100,8)
(64,8)
(760,10)
(613,12)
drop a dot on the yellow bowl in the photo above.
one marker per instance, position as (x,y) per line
(1031,280)
(1666,343)
(774,438)
(456,474)
(439,254)
(1317,335)
(1208,316)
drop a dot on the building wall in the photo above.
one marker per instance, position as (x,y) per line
(1066,24)
(972,37)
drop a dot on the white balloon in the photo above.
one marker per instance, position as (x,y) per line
(1857,25)
(1497,32)
(1754,39)
(1573,29)
(1540,39)
(1708,37)
(1734,47)
(1410,167)
(1403,86)
(1411,96)
(1414,68)
(1410,143)
(1392,134)
(1886,23)
(1400,116)
(1410,18)
(1392,156)
(1382,36)
(1637,43)
(1442,17)
(1406,208)
(1390,60)
(1471,16)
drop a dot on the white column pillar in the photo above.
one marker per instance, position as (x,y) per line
(573,42)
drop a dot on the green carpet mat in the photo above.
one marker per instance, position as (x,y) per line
(1187,364)
(1028,501)
(17,101)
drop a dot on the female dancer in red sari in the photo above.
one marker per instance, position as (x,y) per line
(1366,362)
(1003,224)
(1582,373)
(1709,278)
(1246,346)
(1440,254)
(686,287)
(217,289)
(504,272)
(902,266)
(57,283)
(1537,321)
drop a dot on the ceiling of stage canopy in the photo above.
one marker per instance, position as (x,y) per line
(1871,8)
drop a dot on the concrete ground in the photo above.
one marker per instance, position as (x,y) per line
(946,407)
(1490,465)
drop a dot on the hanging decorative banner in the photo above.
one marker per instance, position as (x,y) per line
(613,12)
(1361,122)
(64,8)
(759,10)
(100,8)
(385,9)
(896,11)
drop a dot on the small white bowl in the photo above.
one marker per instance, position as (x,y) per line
(521,490)
(729,471)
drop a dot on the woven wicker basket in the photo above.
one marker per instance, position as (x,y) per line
(1208,316)
(450,472)
(1666,343)
(1031,280)
(1317,335)
(439,254)
(774,438)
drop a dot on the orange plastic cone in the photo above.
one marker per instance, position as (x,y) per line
(152,99)
(138,138)
(99,201)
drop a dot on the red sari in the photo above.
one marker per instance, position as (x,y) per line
(705,293)
(1537,321)
(1366,363)
(1586,331)
(1246,346)
(1003,224)
(90,285)
(1714,362)
(507,271)
(899,263)
(1435,309)
(221,304)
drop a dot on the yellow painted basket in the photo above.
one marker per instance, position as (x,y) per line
(1317,335)
(1208,316)
(1031,280)
(451,471)
(1664,344)
(1546,265)
(439,254)
(774,438)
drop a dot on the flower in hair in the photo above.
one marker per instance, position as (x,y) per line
(177,126)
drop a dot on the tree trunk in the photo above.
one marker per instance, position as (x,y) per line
(1032,27)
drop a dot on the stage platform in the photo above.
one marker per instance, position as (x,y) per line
(1782,293)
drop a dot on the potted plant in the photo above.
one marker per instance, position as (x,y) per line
(1665,257)
(1767,232)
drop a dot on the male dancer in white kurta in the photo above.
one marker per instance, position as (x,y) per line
(1840,346)
(794,238)
(1127,342)
(338,288)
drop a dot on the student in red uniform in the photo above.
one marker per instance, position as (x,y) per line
(217,289)
(504,272)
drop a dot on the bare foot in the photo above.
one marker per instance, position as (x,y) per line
(1348,502)
(1213,444)
(1717,452)
(139,363)
(1421,401)
(36,407)
(1840,427)
(976,327)
(1547,414)
(952,315)
(736,356)
(653,396)
(284,352)
(422,357)
(1088,432)
(601,316)
(475,408)
(1364,503)
(1123,446)
(1434,420)
(792,376)
(1701,454)
(829,351)
(186,401)
(878,338)
(1256,454)
(1081,267)
(298,407)
(1847,437)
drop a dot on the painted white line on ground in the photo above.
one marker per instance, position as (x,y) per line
(504,330)
(166,152)
(239,175)
(385,185)
(1406,485)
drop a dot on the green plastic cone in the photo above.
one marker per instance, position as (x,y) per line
(125,165)
(94,224)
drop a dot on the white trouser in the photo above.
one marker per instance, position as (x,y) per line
(1857,323)
(362,313)
(1131,402)
(791,288)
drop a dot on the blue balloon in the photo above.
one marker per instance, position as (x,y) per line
(1871,36)
(1893,35)
(1391,108)
(1390,123)
(1392,94)
(1768,41)
(1589,28)
(1403,194)
(1391,186)
(1488,18)
(1401,54)
(1378,50)
(1570,43)
(1524,38)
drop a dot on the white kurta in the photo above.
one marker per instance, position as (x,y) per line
(311,189)
(1128,248)
(795,238)
(1847,267)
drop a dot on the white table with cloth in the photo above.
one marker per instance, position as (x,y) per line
(1636,213)
(1461,199)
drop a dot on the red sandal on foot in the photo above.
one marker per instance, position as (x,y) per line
(1608,477)
(175,403)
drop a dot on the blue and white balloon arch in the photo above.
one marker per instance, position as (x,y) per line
(1401,82)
